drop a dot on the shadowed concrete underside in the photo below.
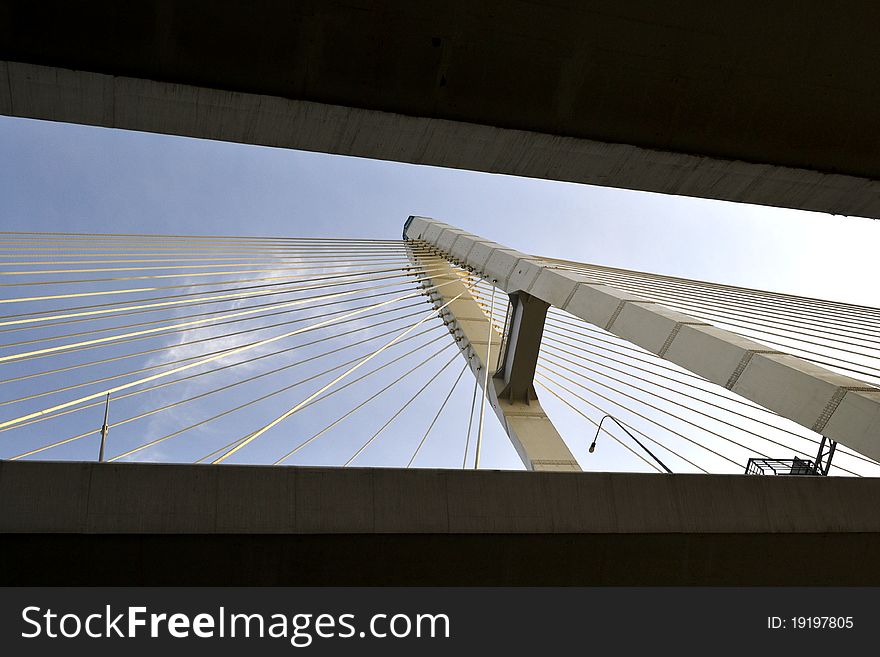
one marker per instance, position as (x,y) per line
(770,103)
(88,523)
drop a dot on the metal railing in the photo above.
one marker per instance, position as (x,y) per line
(793,466)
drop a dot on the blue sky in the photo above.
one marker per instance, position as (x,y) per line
(58,177)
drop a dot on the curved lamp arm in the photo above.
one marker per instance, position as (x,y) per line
(638,442)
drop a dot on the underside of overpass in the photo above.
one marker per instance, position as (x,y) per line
(769,103)
(154,524)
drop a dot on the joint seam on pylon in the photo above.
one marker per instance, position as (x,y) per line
(515,265)
(619,310)
(488,255)
(743,363)
(615,315)
(674,333)
(440,236)
(833,403)
(452,245)
(468,252)
(506,277)
(534,280)
(570,296)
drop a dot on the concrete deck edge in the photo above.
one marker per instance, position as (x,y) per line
(120,498)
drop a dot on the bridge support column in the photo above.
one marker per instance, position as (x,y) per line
(840,407)
(512,397)
(517,371)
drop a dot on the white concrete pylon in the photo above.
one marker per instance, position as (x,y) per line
(840,407)
(531,432)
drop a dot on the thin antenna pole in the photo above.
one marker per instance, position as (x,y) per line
(104,429)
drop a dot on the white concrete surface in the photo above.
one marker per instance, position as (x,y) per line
(531,432)
(840,407)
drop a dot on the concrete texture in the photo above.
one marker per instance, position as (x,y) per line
(532,434)
(770,103)
(129,498)
(116,523)
(840,407)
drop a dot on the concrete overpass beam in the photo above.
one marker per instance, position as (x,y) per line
(58,93)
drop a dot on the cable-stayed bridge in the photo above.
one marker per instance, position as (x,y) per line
(438,352)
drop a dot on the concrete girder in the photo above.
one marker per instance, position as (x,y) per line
(149,104)
(523,343)
(531,432)
(244,525)
(840,407)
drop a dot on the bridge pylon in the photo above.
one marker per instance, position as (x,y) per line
(842,408)
(502,364)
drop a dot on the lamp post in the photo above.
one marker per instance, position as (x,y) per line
(638,442)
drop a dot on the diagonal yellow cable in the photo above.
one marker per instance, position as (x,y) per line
(399,411)
(175,327)
(197,363)
(339,378)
